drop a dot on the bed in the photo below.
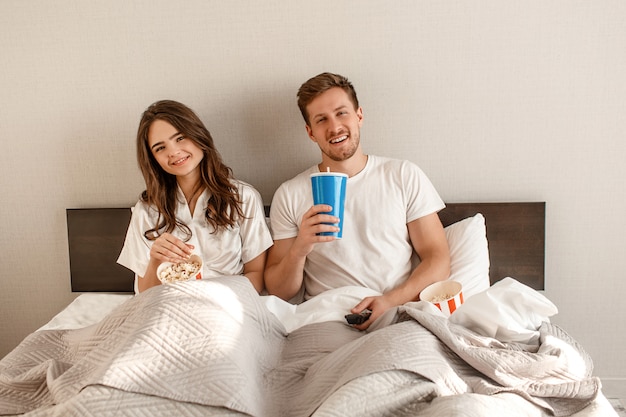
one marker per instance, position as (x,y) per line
(216,348)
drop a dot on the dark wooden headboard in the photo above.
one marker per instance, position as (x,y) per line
(515,233)
(95,239)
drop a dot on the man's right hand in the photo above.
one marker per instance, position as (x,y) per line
(286,258)
(314,221)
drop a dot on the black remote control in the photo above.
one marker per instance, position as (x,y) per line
(358,318)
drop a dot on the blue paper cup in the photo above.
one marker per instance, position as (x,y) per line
(330,188)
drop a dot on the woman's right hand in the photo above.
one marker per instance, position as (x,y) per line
(169,248)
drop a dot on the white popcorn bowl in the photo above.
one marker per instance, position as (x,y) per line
(447,295)
(193,258)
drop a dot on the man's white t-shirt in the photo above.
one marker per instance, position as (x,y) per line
(223,253)
(375,251)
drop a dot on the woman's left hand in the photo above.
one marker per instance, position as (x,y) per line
(169,248)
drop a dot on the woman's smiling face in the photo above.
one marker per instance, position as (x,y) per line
(176,154)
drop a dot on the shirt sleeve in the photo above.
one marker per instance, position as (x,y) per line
(291,200)
(135,254)
(255,235)
(421,195)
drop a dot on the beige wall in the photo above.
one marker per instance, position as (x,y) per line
(496,101)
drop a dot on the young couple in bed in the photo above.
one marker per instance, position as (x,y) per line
(192,204)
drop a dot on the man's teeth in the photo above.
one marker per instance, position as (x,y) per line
(339,139)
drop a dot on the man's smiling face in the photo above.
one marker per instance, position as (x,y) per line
(334,124)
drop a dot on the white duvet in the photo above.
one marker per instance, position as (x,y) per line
(214,348)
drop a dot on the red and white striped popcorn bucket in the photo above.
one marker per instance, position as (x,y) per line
(447,295)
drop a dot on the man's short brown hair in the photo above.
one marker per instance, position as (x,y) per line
(320,84)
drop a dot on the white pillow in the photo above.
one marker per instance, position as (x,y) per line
(469,254)
(508,311)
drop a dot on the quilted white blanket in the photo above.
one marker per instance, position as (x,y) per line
(211,347)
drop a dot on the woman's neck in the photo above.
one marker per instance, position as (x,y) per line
(191,188)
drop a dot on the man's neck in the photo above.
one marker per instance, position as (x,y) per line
(351,166)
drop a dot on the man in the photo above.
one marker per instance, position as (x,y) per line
(390,213)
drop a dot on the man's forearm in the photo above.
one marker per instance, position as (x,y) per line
(284,278)
(426,273)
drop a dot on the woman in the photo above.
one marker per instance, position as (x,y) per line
(192,203)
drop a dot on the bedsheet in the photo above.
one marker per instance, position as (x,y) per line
(85,310)
(213,348)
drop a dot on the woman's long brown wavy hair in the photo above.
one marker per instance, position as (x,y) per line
(224,204)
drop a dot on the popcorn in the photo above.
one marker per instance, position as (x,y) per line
(446,295)
(179,272)
(169,272)
(441,297)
